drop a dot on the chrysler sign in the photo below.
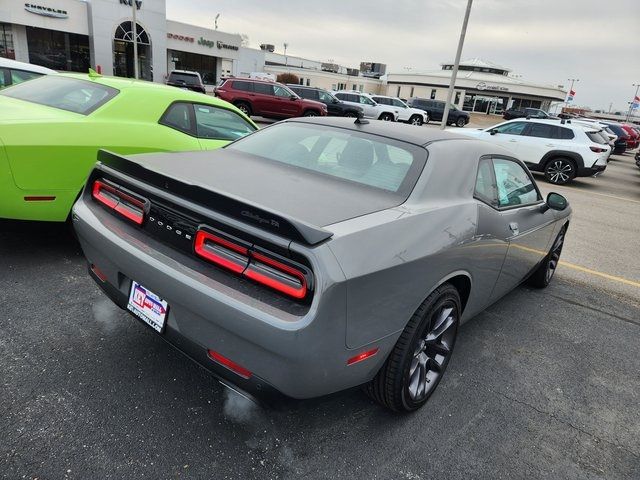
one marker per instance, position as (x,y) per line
(484,86)
(45,11)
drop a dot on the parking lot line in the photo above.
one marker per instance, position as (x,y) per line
(624,199)
(614,278)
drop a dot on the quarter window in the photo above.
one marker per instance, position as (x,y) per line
(263,88)
(178,116)
(485,183)
(242,86)
(514,184)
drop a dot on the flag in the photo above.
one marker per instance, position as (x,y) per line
(636,103)
(572,93)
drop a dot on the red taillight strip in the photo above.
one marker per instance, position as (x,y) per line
(243,260)
(294,291)
(232,262)
(123,203)
(230,364)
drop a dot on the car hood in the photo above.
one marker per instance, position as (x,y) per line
(13,110)
(281,189)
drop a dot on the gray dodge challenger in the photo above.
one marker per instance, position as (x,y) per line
(316,255)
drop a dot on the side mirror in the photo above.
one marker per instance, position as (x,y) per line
(293,97)
(555,201)
(335,100)
(493,131)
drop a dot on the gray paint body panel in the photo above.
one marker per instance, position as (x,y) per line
(370,276)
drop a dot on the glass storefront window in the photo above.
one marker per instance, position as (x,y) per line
(484,104)
(58,50)
(203,64)
(6,42)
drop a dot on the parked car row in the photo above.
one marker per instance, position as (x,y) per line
(13,72)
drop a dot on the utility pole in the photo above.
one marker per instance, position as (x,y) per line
(134,7)
(572,80)
(637,85)
(456,64)
(610,106)
(286,62)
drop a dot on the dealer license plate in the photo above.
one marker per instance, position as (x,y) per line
(147,306)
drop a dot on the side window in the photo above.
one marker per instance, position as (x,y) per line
(485,184)
(281,91)
(365,101)
(263,88)
(514,184)
(19,76)
(242,86)
(439,105)
(541,130)
(3,82)
(341,96)
(180,117)
(220,124)
(566,134)
(514,128)
(325,97)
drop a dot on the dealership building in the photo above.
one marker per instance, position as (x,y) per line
(481,86)
(73,35)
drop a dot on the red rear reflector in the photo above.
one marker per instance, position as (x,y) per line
(362,356)
(98,273)
(35,198)
(123,203)
(230,364)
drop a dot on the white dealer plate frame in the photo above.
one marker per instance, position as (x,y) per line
(147,306)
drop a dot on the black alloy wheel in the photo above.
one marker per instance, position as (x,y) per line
(310,113)
(461,122)
(560,171)
(420,357)
(542,276)
(386,117)
(415,120)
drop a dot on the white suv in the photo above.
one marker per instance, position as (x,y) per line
(560,149)
(370,108)
(406,114)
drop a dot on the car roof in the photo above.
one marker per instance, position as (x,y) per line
(256,80)
(566,124)
(188,72)
(8,63)
(393,130)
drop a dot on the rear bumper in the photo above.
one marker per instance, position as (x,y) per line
(589,171)
(299,356)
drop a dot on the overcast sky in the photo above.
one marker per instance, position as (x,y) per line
(546,41)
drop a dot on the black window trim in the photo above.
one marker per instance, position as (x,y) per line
(192,116)
(497,207)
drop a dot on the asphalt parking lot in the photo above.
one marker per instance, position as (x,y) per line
(544,384)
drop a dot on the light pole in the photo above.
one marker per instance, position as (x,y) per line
(572,80)
(456,64)
(215,22)
(134,8)
(286,63)
(637,85)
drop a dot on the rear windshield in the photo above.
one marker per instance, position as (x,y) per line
(71,94)
(347,155)
(186,78)
(596,137)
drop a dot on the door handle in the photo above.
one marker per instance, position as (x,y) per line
(549,145)
(513,140)
(513,226)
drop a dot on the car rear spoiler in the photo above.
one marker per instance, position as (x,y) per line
(236,208)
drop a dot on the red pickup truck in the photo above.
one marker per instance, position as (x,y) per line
(267,99)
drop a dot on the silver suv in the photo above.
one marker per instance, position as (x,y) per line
(370,108)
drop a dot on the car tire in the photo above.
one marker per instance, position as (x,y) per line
(560,171)
(386,117)
(461,122)
(244,108)
(351,115)
(416,120)
(543,275)
(310,113)
(420,357)
(427,117)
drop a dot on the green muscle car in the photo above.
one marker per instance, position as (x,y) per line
(51,129)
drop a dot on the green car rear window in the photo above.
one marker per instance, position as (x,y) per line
(71,94)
